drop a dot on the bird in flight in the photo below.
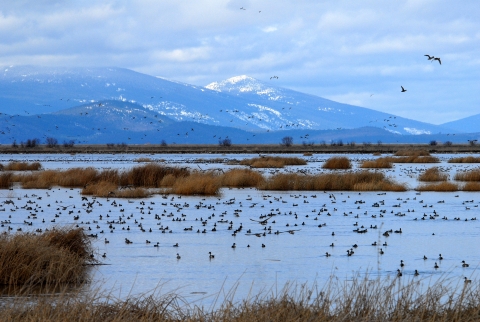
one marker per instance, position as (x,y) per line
(274,77)
(429,57)
(438,58)
(242,8)
(403,89)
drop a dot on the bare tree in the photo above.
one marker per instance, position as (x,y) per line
(51,142)
(225,142)
(287,141)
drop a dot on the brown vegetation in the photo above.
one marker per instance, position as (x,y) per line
(150,175)
(359,181)
(5,180)
(241,178)
(471,186)
(22,166)
(472,175)
(412,159)
(444,186)
(272,162)
(392,300)
(412,153)
(54,257)
(379,163)
(205,184)
(433,174)
(468,159)
(337,163)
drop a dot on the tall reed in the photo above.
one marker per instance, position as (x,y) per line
(337,163)
(379,163)
(433,174)
(204,184)
(468,159)
(444,186)
(272,162)
(23,166)
(5,180)
(241,178)
(412,153)
(472,175)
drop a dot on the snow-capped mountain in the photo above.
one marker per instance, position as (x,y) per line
(97,105)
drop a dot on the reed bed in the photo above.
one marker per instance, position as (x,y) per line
(143,160)
(150,175)
(433,174)
(203,184)
(337,163)
(358,181)
(6,181)
(468,159)
(411,159)
(379,163)
(241,178)
(380,300)
(444,186)
(412,153)
(471,186)
(472,175)
(57,256)
(272,162)
(22,166)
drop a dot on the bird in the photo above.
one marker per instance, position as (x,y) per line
(416,273)
(436,265)
(399,273)
(464,264)
(438,58)
(403,89)
(210,255)
(178,256)
(429,57)
(467,281)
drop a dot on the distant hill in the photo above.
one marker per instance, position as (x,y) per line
(468,124)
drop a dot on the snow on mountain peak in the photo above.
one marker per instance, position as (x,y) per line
(241,84)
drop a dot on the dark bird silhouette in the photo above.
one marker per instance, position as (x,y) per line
(438,58)
(429,57)
(403,89)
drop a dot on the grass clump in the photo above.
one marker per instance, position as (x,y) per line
(468,159)
(433,174)
(337,163)
(412,159)
(204,184)
(241,178)
(444,186)
(412,153)
(150,175)
(6,181)
(472,175)
(54,257)
(379,163)
(471,186)
(272,162)
(359,181)
(22,166)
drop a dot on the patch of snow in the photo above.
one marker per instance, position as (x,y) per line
(415,131)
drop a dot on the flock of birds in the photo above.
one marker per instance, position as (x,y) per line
(259,216)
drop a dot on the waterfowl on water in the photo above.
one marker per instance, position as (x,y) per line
(210,255)
(399,273)
(436,265)
(467,281)
(178,256)
(464,264)
(416,273)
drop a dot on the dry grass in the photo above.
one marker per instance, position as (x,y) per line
(433,174)
(412,159)
(23,166)
(143,160)
(380,300)
(471,186)
(444,186)
(472,175)
(6,181)
(337,163)
(412,153)
(468,159)
(272,162)
(54,257)
(241,178)
(359,181)
(204,184)
(100,189)
(379,163)
(150,175)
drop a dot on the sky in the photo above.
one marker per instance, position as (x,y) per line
(357,52)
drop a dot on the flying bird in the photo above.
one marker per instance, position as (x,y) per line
(438,58)
(403,89)
(429,57)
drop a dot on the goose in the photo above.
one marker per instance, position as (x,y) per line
(403,89)
(416,273)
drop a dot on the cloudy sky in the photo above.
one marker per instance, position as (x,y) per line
(357,51)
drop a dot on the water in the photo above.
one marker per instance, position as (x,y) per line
(296,237)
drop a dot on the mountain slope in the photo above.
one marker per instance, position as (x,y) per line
(468,124)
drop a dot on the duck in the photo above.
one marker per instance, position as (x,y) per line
(399,273)
(210,255)
(440,257)
(178,256)
(436,265)
(234,245)
(464,264)
(416,273)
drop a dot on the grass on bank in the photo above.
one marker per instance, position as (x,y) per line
(337,163)
(444,186)
(468,159)
(379,300)
(433,174)
(21,166)
(357,181)
(379,163)
(472,175)
(272,162)
(242,178)
(412,153)
(411,159)
(57,256)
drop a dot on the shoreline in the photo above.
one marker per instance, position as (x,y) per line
(238,149)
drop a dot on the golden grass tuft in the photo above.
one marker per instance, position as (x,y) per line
(433,174)
(468,159)
(379,163)
(23,166)
(76,177)
(472,175)
(337,163)
(471,186)
(204,184)
(241,178)
(359,181)
(143,160)
(40,180)
(100,189)
(272,162)
(444,186)
(54,257)
(150,175)
(412,159)
(6,181)
(412,153)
